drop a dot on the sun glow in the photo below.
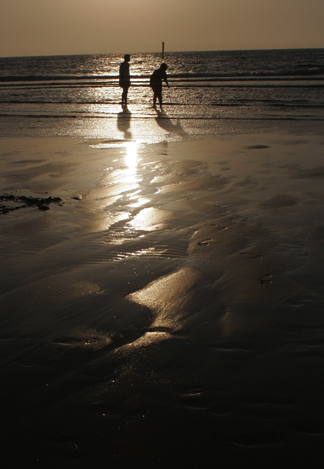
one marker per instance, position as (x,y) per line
(131,155)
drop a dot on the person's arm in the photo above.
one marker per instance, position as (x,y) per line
(166,80)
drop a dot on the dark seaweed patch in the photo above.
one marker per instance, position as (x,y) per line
(42,203)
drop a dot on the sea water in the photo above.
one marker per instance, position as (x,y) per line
(215,90)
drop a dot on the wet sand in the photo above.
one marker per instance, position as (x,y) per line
(165,308)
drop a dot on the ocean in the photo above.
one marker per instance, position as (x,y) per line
(75,95)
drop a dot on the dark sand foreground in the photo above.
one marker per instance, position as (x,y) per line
(162,305)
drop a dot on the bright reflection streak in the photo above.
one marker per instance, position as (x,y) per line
(141,201)
(168,297)
(131,155)
(119,194)
(152,218)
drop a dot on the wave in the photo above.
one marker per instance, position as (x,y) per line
(28,78)
(317,74)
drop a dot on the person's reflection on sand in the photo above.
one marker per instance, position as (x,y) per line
(164,121)
(123,122)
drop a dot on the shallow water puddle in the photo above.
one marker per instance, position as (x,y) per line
(152,218)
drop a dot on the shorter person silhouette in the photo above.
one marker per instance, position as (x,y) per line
(124,78)
(156,83)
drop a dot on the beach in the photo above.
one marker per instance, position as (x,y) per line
(161,284)
(161,301)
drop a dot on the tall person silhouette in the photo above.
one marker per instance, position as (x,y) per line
(124,78)
(156,83)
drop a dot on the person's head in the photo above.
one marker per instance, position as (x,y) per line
(127,57)
(164,66)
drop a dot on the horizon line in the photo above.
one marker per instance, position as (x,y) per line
(165,53)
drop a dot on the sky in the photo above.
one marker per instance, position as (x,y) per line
(47,27)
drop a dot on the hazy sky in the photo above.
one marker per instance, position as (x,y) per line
(46,27)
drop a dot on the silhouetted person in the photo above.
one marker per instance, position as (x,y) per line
(124,78)
(156,83)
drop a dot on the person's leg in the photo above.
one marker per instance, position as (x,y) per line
(124,95)
(160,97)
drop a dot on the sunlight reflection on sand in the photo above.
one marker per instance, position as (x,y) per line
(151,218)
(165,296)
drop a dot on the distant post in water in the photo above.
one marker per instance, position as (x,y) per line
(162,50)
